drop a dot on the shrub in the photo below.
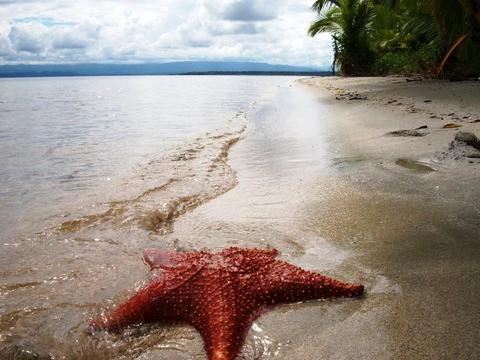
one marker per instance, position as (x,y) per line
(396,63)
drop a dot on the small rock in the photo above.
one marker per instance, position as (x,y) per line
(427,101)
(422,127)
(180,157)
(465,145)
(468,138)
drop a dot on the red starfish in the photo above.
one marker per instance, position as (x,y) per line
(220,294)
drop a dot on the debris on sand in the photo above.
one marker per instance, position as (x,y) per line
(414,78)
(350,96)
(414,165)
(406,133)
(451,126)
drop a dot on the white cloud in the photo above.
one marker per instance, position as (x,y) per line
(51,31)
(26,40)
(249,10)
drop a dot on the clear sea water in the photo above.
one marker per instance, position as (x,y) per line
(65,141)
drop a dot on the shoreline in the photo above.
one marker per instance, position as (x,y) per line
(415,234)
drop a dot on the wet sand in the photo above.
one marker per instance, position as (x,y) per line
(322,184)
(314,177)
(416,233)
(352,211)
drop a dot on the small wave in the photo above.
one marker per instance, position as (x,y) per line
(189,176)
(131,343)
(6,288)
(259,346)
(71,226)
(163,218)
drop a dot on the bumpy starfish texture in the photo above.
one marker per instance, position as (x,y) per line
(220,294)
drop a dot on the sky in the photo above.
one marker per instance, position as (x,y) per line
(126,31)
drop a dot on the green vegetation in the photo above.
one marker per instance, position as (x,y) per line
(378,37)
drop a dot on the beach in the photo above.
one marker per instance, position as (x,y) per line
(417,229)
(410,234)
(307,166)
(407,103)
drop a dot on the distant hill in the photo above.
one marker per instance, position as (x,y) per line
(171,68)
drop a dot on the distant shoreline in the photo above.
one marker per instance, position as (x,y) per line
(200,73)
(155,69)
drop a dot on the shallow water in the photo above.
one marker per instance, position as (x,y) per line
(74,229)
(68,142)
(92,171)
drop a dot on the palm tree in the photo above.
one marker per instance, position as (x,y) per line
(431,35)
(470,30)
(349,22)
(451,22)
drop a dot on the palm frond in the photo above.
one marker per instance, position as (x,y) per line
(328,22)
(319,5)
(420,26)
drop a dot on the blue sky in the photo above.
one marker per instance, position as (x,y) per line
(123,31)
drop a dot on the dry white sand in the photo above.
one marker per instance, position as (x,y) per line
(368,108)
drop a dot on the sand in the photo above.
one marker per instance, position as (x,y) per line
(368,108)
(322,182)
(410,212)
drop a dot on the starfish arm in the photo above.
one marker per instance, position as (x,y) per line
(162,299)
(132,312)
(163,259)
(224,332)
(224,316)
(286,283)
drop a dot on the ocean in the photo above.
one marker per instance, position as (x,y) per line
(68,142)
